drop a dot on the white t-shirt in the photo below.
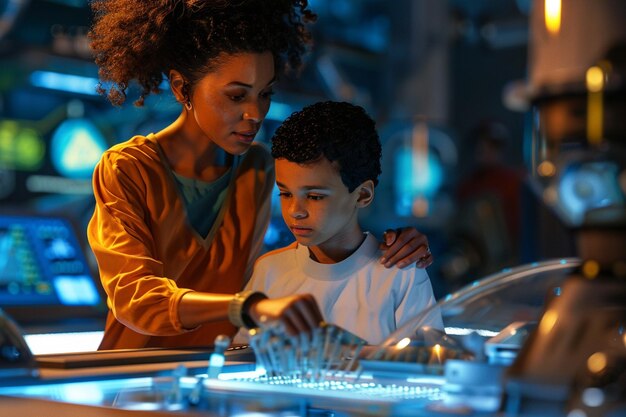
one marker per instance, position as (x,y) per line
(358,293)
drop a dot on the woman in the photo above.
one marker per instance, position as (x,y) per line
(180,214)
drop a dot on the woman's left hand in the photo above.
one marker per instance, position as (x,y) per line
(404,246)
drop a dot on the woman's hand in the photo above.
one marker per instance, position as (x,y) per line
(404,246)
(299,313)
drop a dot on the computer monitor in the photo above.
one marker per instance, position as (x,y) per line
(44,274)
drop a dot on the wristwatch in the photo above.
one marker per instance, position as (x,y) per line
(239,307)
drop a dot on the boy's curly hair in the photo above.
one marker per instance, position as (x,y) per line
(338,131)
(144,39)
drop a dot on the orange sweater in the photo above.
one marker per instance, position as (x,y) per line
(149,257)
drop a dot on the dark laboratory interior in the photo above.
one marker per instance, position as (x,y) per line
(503,132)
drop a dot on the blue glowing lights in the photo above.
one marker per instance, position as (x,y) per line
(76,148)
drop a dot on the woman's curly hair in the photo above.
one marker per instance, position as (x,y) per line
(144,39)
(338,131)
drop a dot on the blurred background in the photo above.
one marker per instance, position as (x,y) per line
(444,81)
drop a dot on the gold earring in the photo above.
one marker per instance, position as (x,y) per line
(187,104)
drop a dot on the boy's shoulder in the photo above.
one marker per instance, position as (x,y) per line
(276,254)
(375,267)
(272,265)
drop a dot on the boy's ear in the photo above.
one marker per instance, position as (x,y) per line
(366,194)
(177,83)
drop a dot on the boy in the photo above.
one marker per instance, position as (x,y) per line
(327,159)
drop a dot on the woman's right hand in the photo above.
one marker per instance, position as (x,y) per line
(299,313)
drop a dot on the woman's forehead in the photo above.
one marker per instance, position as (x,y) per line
(250,68)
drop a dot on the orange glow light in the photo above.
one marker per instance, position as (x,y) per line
(553,16)
(591,269)
(437,351)
(594,79)
(595,112)
(548,321)
(597,362)
(546,169)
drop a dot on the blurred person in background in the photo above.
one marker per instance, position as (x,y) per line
(485,236)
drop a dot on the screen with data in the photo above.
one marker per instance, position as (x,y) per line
(42,264)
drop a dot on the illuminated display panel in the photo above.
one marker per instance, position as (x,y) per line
(76,147)
(42,264)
